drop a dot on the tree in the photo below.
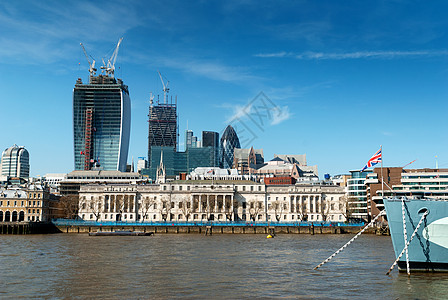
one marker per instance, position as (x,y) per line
(70,206)
(119,206)
(208,207)
(95,207)
(278,209)
(165,208)
(325,210)
(228,209)
(255,207)
(187,208)
(145,205)
(344,206)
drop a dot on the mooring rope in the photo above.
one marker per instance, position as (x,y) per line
(405,235)
(349,242)
(407,244)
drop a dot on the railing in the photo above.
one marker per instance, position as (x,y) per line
(70,222)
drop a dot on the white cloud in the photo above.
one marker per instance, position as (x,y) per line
(353,55)
(280,114)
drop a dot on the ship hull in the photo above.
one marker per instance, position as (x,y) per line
(428,250)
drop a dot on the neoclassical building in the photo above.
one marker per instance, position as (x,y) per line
(215,200)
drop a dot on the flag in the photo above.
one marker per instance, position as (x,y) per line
(376,158)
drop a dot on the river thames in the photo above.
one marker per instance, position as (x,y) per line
(196,266)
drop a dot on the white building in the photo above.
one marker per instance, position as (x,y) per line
(203,200)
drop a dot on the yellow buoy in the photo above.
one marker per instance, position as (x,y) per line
(269,237)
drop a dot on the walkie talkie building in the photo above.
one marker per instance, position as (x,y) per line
(101,123)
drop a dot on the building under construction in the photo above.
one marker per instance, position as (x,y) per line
(101,120)
(162,126)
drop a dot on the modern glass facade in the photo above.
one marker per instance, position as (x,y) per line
(15,162)
(357,195)
(101,124)
(229,141)
(180,162)
(211,139)
(162,129)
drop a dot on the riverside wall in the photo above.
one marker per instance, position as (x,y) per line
(213,230)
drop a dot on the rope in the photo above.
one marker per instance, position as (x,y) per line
(412,236)
(405,235)
(349,242)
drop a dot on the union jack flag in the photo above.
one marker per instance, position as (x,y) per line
(376,158)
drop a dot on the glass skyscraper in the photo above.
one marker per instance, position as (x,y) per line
(229,141)
(101,123)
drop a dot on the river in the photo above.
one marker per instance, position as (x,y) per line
(195,266)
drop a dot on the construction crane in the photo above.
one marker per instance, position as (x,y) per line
(166,89)
(109,68)
(408,164)
(92,69)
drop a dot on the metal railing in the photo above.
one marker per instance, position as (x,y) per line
(71,222)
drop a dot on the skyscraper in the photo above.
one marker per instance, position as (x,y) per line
(211,139)
(162,126)
(15,162)
(229,141)
(101,123)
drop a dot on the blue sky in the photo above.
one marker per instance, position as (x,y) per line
(342,78)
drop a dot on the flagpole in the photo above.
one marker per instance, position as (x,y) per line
(382,178)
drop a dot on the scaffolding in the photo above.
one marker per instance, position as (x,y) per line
(88,138)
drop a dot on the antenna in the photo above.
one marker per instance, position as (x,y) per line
(92,69)
(166,89)
(110,67)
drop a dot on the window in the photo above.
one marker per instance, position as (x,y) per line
(180,188)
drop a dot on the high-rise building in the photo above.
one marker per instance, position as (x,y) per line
(211,139)
(101,123)
(229,141)
(15,162)
(162,127)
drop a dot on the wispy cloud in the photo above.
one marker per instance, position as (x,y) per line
(280,114)
(353,55)
(210,69)
(55,35)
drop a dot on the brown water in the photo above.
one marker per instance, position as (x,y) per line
(197,266)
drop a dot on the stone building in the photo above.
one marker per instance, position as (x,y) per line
(33,203)
(206,200)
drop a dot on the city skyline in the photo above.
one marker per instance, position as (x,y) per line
(342,79)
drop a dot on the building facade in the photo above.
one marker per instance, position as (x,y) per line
(203,200)
(15,162)
(162,130)
(357,206)
(33,203)
(229,141)
(101,123)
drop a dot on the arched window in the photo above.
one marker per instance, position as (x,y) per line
(1,216)
(22,216)
(7,216)
(14,216)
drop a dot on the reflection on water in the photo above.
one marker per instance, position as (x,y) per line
(197,266)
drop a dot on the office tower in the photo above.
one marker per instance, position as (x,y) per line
(211,139)
(162,127)
(229,141)
(101,120)
(188,138)
(15,162)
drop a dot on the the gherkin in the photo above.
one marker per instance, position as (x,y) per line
(229,141)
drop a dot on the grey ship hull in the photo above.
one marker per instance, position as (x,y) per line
(428,251)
